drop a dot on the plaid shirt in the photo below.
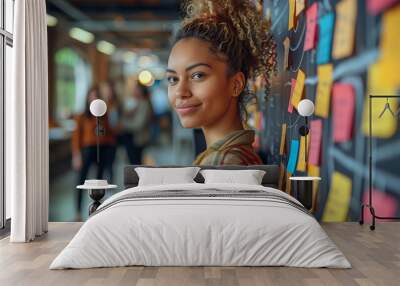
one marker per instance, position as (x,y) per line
(234,149)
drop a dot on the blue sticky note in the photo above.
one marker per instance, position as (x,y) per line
(293,155)
(326,23)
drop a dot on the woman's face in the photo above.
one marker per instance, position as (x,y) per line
(198,86)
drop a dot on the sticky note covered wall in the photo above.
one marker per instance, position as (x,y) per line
(336,54)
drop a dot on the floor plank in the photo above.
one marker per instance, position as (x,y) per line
(374,255)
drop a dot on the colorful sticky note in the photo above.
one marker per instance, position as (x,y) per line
(301,162)
(288,186)
(390,25)
(315,144)
(337,206)
(286,45)
(376,6)
(384,126)
(298,89)
(299,6)
(313,171)
(293,155)
(343,105)
(385,204)
(291,21)
(258,120)
(381,81)
(346,12)
(390,49)
(325,38)
(293,84)
(322,101)
(283,139)
(311,32)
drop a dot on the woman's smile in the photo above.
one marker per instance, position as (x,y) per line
(187,109)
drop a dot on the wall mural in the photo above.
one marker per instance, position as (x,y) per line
(336,53)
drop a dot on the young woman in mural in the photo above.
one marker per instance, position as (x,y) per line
(220,46)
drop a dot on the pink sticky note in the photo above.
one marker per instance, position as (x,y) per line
(385,205)
(260,121)
(311,34)
(290,106)
(315,144)
(376,6)
(343,102)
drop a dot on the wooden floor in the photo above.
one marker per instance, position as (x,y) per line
(375,257)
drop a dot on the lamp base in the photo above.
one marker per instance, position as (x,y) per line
(96,195)
(302,189)
(303,130)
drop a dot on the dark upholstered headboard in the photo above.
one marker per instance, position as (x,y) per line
(271,177)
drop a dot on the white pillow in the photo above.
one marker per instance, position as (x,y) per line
(163,176)
(248,177)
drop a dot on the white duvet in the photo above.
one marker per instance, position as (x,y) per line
(202,231)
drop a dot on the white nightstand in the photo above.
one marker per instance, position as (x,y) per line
(97,189)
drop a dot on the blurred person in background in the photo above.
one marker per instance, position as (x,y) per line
(136,122)
(161,131)
(114,110)
(84,144)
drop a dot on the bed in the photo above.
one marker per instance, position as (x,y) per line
(201,224)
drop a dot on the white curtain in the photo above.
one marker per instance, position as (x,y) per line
(27,145)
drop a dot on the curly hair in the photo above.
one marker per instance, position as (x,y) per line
(236,31)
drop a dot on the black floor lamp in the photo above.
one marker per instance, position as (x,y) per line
(97,187)
(98,108)
(369,205)
(302,186)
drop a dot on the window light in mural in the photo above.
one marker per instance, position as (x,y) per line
(105,47)
(146,78)
(81,35)
(73,77)
(51,21)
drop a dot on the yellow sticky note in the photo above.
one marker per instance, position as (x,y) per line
(283,139)
(286,45)
(257,120)
(298,89)
(301,162)
(299,6)
(281,176)
(386,68)
(381,78)
(292,4)
(380,82)
(313,171)
(322,101)
(384,124)
(337,206)
(346,13)
(288,188)
(390,41)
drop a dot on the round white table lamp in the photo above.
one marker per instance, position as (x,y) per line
(305,107)
(98,107)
